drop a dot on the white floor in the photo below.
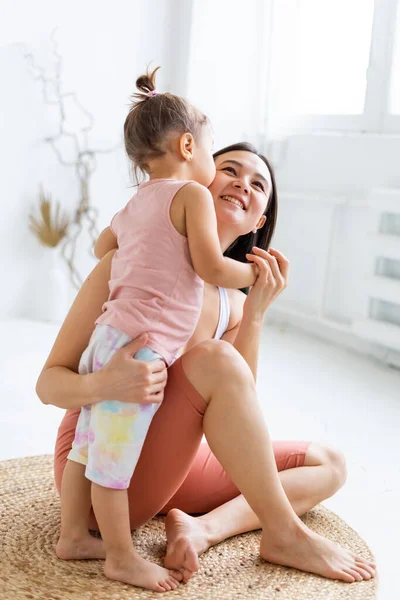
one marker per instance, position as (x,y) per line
(309,390)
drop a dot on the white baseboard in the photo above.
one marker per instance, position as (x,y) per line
(339,334)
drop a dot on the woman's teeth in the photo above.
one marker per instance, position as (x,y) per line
(234,201)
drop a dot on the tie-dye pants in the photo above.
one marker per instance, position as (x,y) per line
(109,435)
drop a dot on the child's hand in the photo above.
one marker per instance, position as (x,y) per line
(256,270)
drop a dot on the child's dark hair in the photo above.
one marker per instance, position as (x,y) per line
(151,117)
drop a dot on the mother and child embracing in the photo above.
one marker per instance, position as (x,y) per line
(160,347)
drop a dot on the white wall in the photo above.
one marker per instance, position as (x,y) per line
(104,48)
(345,167)
(323,226)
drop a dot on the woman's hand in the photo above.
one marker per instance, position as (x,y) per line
(273,269)
(126,379)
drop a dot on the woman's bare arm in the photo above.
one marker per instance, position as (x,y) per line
(247,341)
(122,378)
(271,281)
(245,332)
(59,375)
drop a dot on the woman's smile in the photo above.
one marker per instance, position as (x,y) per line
(235,200)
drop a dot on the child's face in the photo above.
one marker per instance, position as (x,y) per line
(203,161)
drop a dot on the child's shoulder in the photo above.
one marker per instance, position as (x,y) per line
(194,191)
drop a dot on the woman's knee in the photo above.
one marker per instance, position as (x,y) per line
(330,458)
(215,362)
(216,356)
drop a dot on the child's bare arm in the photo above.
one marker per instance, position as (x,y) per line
(105,242)
(205,250)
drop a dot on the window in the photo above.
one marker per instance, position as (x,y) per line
(334,65)
(395,80)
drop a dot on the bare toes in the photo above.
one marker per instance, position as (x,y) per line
(356,574)
(365,574)
(173,582)
(187,575)
(349,576)
(360,559)
(367,567)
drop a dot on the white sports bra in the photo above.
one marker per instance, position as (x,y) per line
(224,314)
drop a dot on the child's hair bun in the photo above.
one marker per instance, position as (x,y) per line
(147,83)
(152,116)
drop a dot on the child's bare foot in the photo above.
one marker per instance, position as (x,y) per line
(80,548)
(307,551)
(187,538)
(135,570)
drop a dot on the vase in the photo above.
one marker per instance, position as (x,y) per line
(50,289)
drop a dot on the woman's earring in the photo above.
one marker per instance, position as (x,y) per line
(255,230)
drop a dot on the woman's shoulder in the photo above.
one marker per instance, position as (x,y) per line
(236,301)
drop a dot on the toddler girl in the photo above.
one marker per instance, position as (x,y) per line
(168,246)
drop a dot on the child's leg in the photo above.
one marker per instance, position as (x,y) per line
(75,542)
(117,434)
(123,563)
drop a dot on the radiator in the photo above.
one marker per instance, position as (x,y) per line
(381,319)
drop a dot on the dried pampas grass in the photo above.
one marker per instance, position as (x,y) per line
(49,228)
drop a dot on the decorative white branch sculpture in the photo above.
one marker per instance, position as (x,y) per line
(84,160)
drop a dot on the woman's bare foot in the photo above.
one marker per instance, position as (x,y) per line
(80,548)
(187,538)
(308,551)
(135,570)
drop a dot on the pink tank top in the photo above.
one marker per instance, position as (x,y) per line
(153,286)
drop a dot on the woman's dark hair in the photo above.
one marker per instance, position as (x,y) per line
(151,117)
(243,244)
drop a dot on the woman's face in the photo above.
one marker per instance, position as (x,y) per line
(241,190)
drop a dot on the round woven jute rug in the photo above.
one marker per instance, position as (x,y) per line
(29,568)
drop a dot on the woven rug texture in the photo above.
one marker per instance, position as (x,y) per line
(232,570)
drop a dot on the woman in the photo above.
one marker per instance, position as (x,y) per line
(210,390)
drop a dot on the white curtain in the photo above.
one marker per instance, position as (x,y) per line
(227,67)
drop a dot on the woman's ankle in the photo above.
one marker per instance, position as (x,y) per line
(213,532)
(286,528)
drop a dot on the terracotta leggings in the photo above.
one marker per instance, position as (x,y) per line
(175,469)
